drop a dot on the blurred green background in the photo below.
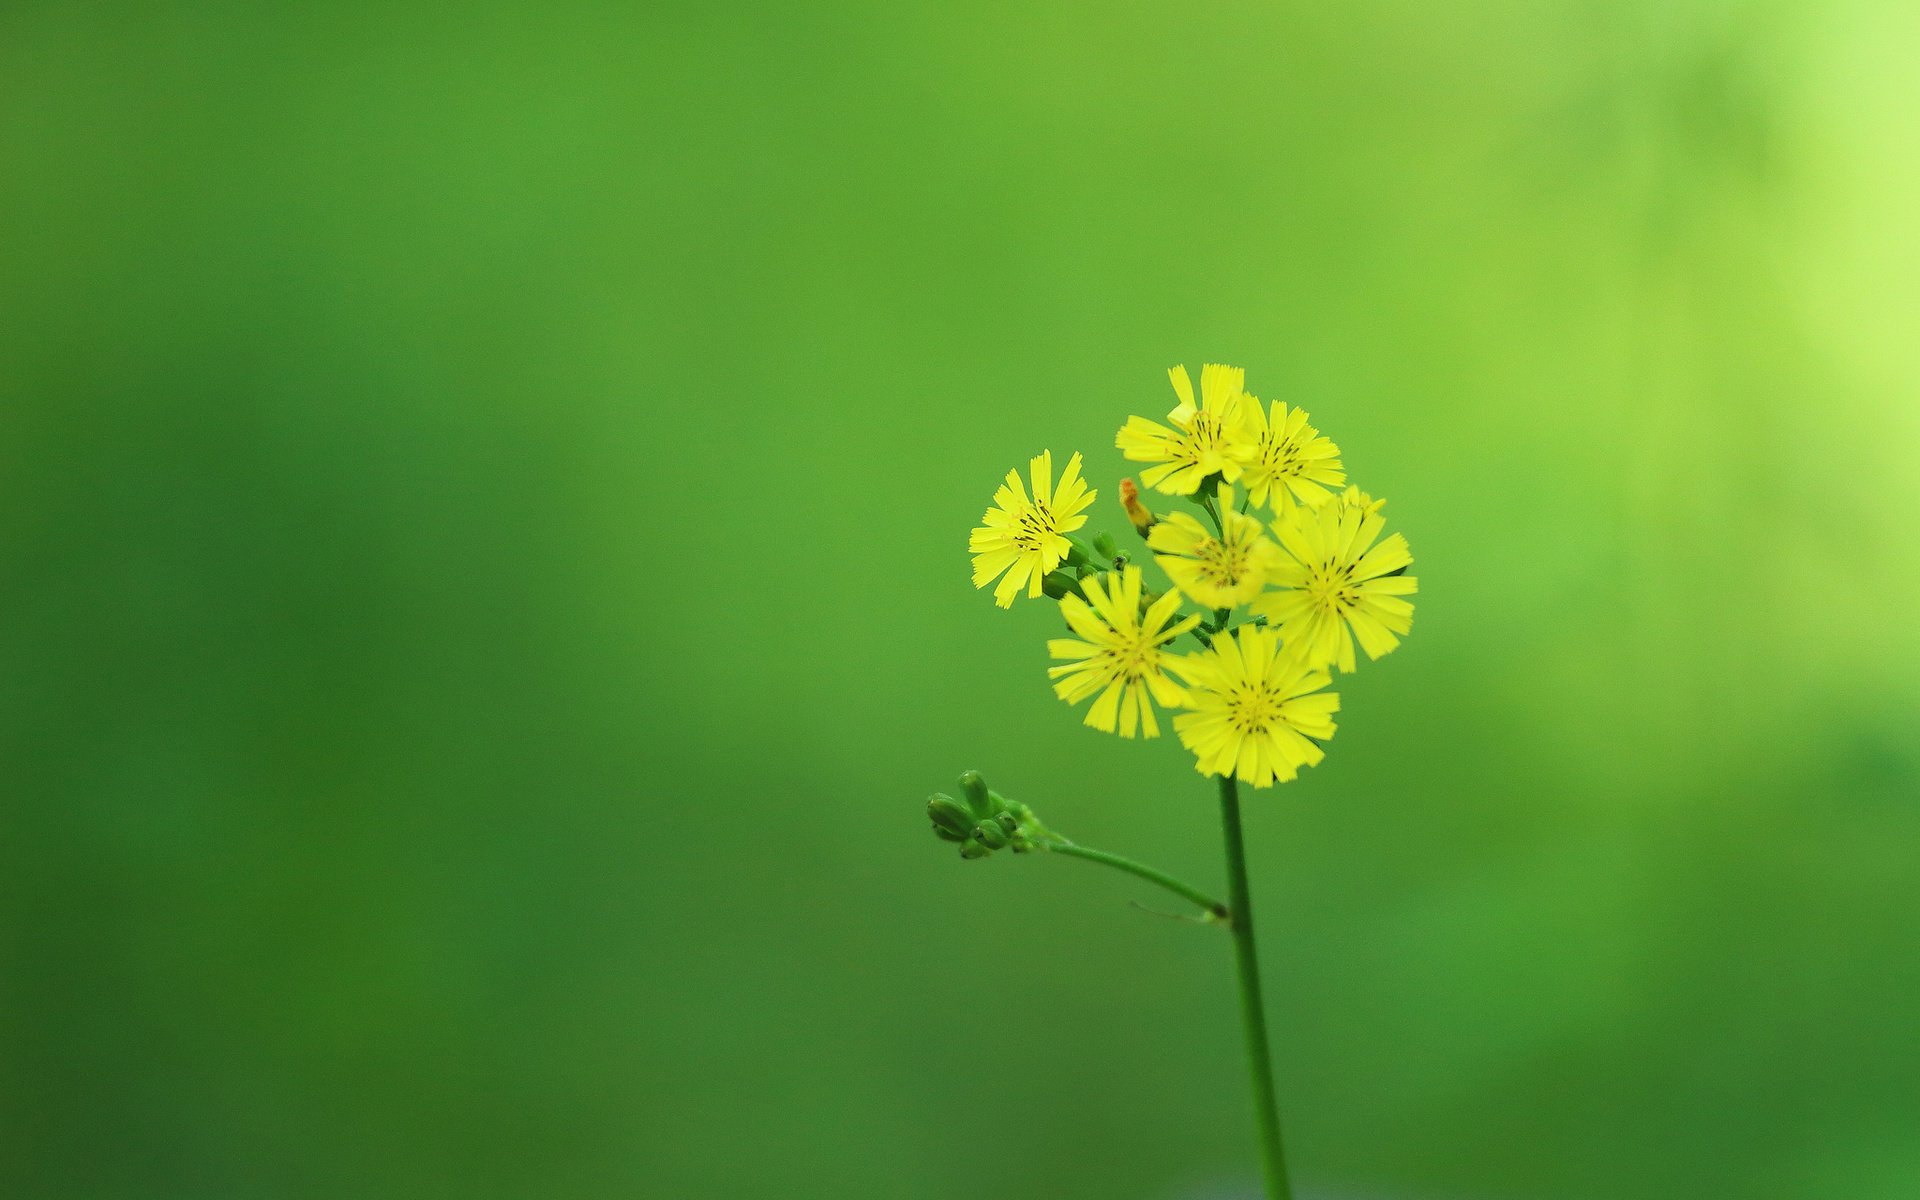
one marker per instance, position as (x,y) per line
(483,496)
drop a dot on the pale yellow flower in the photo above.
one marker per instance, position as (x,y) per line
(1122,659)
(1020,539)
(1219,570)
(1203,437)
(1255,709)
(1333,584)
(1284,460)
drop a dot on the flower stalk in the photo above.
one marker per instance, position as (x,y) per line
(1253,1017)
(1214,909)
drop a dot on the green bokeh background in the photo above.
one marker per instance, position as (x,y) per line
(483,492)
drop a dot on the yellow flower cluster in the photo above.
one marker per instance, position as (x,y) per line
(1288,569)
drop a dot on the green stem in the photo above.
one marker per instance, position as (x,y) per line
(1213,510)
(1185,891)
(1266,1109)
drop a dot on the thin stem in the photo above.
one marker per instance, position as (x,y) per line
(1185,891)
(1266,1109)
(1213,510)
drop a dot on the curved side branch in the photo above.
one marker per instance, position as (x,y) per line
(1214,909)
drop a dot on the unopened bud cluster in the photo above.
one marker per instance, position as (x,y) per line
(984,820)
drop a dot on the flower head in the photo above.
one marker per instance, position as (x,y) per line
(1217,570)
(1122,657)
(1202,440)
(1333,584)
(1284,460)
(1254,708)
(1025,538)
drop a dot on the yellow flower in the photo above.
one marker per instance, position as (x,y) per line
(1122,657)
(1024,537)
(1219,572)
(1254,708)
(1356,498)
(1286,459)
(1201,442)
(1334,585)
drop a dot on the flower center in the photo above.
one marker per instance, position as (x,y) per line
(1133,657)
(1223,563)
(1331,587)
(1206,433)
(1280,456)
(1252,708)
(1034,526)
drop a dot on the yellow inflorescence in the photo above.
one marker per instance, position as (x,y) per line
(1218,569)
(1206,439)
(1022,538)
(1336,584)
(1287,570)
(1122,659)
(1255,710)
(1285,460)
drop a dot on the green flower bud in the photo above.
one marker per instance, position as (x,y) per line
(1056,584)
(989,834)
(950,817)
(975,787)
(1103,542)
(973,849)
